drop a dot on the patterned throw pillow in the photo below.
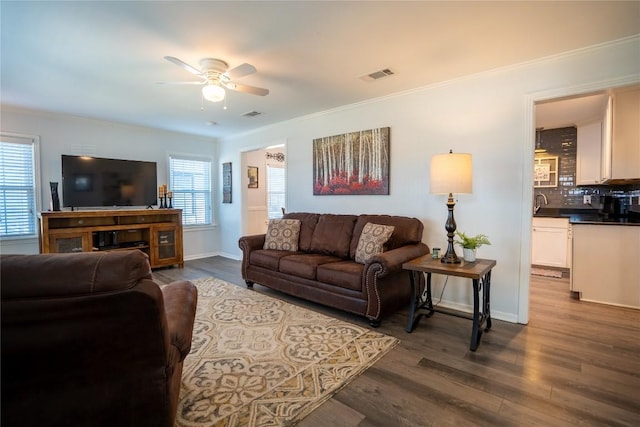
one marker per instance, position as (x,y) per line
(282,235)
(372,241)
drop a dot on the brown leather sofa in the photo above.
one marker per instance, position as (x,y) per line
(324,270)
(89,339)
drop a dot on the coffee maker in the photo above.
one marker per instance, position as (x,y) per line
(614,206)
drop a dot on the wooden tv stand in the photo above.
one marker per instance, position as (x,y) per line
(157,232)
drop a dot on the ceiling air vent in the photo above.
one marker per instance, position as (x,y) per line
(251,114)
(377,75)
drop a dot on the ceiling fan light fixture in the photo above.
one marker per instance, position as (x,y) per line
(213,92)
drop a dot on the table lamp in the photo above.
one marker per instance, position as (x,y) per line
(451,173)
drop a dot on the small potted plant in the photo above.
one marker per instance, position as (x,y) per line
(470,244)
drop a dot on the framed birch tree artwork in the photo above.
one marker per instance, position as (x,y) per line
(352,163)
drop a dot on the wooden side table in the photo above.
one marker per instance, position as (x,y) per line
(478,271)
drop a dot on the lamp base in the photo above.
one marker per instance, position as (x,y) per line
(450,256)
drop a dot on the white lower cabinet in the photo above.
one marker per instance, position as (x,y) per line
(550,242)
(606,264)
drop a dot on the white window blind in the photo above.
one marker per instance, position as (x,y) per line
(275,191)
(17,187)
(190,182)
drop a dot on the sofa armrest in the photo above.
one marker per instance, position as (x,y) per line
(382,276)
(248,244)
(180,299)
(391,261)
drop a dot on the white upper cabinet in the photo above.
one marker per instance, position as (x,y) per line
(608,149)
(625,137)
(589,154)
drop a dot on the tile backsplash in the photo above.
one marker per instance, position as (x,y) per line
(562,142)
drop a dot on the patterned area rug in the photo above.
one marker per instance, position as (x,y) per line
(259,361)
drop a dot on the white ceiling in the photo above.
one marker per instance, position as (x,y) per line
(102,59)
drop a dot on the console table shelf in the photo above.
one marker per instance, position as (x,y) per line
(158,233)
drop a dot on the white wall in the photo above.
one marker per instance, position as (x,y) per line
(489,115)
(63,134)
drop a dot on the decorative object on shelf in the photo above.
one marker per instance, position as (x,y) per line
(55,200)
(252,174)
(451,173)
(435,253)
(353,163)
(226,182)
(278,157)
(165,196)
(471,244)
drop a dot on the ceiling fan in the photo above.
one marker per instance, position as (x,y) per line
(216,77)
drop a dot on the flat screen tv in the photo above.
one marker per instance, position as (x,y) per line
(98,182)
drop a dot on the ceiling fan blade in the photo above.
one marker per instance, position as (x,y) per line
(247,89)
(184,65)
(240,71)
(181,83)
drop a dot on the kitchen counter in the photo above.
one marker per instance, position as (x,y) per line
(588,216)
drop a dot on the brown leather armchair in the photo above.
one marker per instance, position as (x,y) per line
(90,340)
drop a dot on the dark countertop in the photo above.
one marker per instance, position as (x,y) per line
(587,216)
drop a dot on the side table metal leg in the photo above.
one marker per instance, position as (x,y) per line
(486,309)
(417,302)
(475,331)
(414,301)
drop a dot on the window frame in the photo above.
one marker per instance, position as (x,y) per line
(198,158)
(35,143)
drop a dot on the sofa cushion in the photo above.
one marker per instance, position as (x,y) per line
(407,230)
(332,235)
(308,223)
(304,265)
(267,258)
(372,240)
(346,274)
(282,235)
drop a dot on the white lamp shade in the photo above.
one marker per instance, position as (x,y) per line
(451,173)
(213,92)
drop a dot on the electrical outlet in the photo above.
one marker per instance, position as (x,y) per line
(586,199)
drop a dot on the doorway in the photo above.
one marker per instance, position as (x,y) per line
(556,102)
(264,187)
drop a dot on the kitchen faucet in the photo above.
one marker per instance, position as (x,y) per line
(538,205)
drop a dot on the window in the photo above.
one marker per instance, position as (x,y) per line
(18,191)
(275,191)
(190,182)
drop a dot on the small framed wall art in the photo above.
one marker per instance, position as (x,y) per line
(226,182)
(252,173)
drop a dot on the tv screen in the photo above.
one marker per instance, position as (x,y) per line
(96,182)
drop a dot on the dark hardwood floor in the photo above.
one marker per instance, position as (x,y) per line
(575,363)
